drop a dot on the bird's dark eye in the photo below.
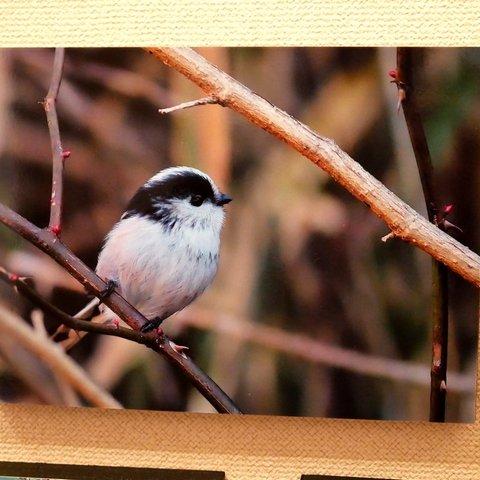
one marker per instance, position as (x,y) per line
(196,200)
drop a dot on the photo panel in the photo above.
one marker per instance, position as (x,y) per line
(294,297)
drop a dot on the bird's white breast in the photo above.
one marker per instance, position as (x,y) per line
(160,270)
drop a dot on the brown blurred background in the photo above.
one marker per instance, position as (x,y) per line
(303,268)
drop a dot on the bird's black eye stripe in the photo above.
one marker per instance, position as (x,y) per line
(152,199)
(196,200)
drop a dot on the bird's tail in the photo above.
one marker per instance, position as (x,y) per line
(68,337)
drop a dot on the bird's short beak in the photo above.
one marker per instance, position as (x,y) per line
(223,199)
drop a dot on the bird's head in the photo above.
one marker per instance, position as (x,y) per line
(180,197)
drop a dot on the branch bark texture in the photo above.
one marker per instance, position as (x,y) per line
(403,220)
(49,104)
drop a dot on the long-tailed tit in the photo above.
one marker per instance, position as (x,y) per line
(163,253)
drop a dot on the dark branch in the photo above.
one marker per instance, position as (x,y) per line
(416,130)
(48,242)
(58,155)
(407,95)
(77,324)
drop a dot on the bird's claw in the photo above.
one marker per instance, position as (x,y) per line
(108,290)
(152,325)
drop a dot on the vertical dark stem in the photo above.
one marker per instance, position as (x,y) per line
(438,385)
(58,155)
(405,81)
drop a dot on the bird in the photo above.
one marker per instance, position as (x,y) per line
(163,253)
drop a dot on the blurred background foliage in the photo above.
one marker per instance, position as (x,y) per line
(302,265)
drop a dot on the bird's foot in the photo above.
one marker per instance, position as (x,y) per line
(152,325)
(108,290)
(155,325)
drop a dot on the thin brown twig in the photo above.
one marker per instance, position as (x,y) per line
(193,103)
(58,155)
(75,323)
(406,59)
(74,336)
(404,222)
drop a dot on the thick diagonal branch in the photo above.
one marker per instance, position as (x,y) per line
(58,156)
(404,222)
(407,94)
(48,242)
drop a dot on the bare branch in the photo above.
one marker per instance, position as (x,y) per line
(48,242)
(73,336)
(73,322)
(193,103)
(407,97)
(404,222)
(56,358)
(58,155)
(404,81)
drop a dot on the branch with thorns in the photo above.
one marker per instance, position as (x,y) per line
(21,285)
(58,154)
(268,337)
(429,235)
(403,77)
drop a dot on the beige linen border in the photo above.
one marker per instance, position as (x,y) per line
(108,23)
(247,447)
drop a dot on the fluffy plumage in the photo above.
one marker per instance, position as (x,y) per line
(163,253)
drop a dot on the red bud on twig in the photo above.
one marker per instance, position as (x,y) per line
(56,230)
(393,73)
(447,209)
(66,154)
(13,277)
